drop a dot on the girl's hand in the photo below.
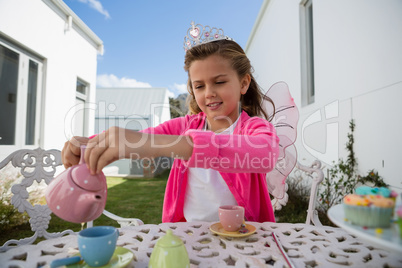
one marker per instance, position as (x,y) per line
(113,144)
(118,143)
(71,153)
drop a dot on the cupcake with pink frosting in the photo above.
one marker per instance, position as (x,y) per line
(372,211)
(383,191)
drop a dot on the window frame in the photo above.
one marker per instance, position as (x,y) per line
(307,52)
(25,56)
(83,97)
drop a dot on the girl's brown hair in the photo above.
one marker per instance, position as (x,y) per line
(251,101)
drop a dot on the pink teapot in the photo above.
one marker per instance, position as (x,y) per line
(77,196)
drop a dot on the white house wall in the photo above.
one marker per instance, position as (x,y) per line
(358,74)
(43,29)
(165,113)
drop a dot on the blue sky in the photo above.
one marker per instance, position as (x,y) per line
(143,39)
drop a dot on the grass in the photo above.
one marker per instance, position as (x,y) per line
(131,198)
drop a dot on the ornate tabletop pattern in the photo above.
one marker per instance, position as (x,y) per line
(306,245)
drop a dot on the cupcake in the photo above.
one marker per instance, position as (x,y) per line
(366,190)
(399,220)
(373,211)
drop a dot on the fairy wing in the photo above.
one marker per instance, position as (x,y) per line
(285,119)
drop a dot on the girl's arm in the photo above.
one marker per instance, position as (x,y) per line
(118,143)
(255,150)
(71,152)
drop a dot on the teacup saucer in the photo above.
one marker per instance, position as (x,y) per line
(121,257)
(218,229)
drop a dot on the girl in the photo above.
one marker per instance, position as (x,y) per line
(222,150)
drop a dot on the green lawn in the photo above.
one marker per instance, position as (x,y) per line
(132,198)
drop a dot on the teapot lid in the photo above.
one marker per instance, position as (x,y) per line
(82,177)
(169,240)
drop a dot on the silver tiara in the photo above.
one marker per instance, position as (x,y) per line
(198,34)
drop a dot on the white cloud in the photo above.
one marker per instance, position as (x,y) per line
(170,94)
(110,80)
(178,88)
(95,4)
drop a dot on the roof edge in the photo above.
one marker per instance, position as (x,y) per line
(257,23)
(66,10)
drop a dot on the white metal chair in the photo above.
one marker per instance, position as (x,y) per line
(38,165)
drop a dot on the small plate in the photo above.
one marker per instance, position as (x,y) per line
(121,257)
(218,229)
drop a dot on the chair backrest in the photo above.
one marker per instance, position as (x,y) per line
(36,165)
(281,197)
(317,175)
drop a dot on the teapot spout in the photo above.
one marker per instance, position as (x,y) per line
(91,207)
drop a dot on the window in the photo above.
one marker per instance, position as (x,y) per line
(80,120)
(20,91)
(307,52)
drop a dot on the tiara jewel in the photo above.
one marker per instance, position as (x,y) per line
(198,34)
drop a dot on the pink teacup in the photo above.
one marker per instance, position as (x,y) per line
(231,217)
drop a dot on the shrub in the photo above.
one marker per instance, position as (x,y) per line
(9,215)
(295,211)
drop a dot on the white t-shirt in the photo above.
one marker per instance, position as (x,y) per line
(206,191)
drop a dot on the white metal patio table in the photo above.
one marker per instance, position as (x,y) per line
(306,245)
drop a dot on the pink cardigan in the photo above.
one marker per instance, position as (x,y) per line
(242,159)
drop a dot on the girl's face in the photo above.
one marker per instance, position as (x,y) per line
(217,89)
